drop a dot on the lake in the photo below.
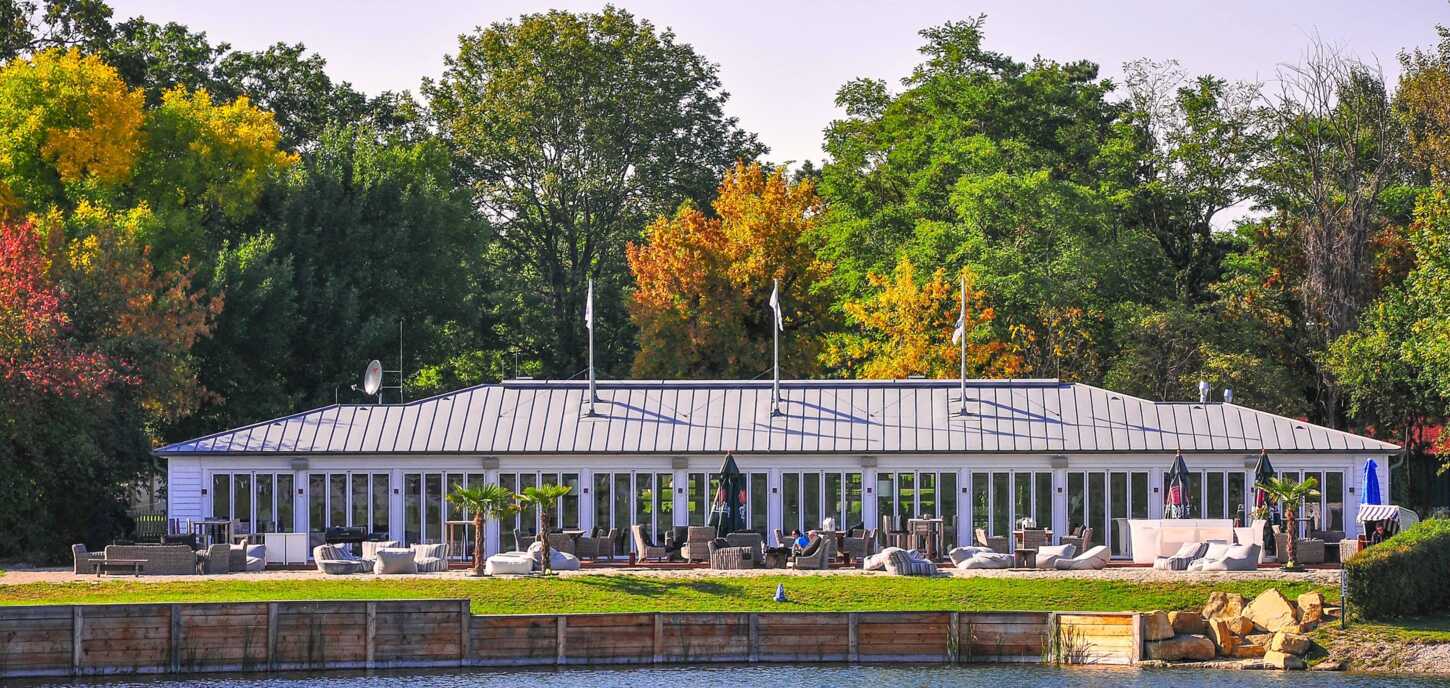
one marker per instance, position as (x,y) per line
(736,676)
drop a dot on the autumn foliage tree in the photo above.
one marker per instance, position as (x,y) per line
(904,328)
(703,282)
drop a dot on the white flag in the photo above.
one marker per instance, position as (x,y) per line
(775,306)
(960,331)
(589,307)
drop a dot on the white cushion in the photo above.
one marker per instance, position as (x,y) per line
(958,554)
(1091,560)
(986,560)
(256,558)
(391,560)
(877,562)
(1216,550)
(1047,555)
(1189,550)
(508,563)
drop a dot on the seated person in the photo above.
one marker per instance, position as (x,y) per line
(799,541)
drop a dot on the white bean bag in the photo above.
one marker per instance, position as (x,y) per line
(877,561)
(1091,560)
(1180,560)
(960,554)
(391,560)
(1234,558)
(256,558)
(430,558)
(508,563)
(986,560)
(1047,555)
(558,561)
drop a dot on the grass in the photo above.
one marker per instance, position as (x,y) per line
(1430,630)
(623,593)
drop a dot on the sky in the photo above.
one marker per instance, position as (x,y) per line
(783,61)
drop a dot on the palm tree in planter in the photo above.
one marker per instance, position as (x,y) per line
(1289,494)
(487,501)
(544,497)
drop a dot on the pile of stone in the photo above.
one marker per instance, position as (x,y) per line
(1267,633)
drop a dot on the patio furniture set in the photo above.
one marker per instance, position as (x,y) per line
(175,556)
(1033,551)
(387,557)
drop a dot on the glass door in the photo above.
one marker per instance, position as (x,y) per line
(809,498)
(1128,498)
(260,502)
(354,500)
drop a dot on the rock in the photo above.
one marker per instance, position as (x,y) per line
(1240,625)
(1271,611)
(1300,628)
(1280,660)
(1223,605)
(1187,623)
(1223,637)
(1311,607)
(1290,643)
(1329,665)
(1195,648)
(1251,646)
(1157,626)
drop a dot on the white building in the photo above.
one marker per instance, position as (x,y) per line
(1062,453)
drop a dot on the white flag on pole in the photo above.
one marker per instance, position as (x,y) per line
(775,306)
(961,330)
(589,307)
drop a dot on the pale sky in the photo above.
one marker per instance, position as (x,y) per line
(782,61)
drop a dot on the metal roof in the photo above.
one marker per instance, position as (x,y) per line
(818,417)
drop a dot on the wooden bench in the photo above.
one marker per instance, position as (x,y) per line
(117,565)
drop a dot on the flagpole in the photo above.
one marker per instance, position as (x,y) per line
(589,324)
(775,331)
(963,319)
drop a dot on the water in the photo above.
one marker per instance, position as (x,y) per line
(740,676)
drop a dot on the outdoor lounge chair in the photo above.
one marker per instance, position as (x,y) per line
(157,560)
(561,542)
(1049,555)
(216,559)
(697,543)
(86,561)
(986,560)
(905,562)
(430,558)
(750,540)
(1094,559)
(509,563)
(1182,558)
(1229,558)
(388,561)
(331,562)
(645,551)
(725,557)
(370,548)
(860,546)
(996,543)
(818,555)
(1080,542)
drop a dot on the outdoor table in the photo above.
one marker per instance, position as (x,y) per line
(115,565)
(1018,534)
(930,528)
(1025,558)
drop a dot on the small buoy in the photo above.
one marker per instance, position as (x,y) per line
(780,592)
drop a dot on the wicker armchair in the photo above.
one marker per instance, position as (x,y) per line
(216,559)
(996,543)
(644,550)
(1306,551)
(561,542)
(86,561)
(819,559)
(1080,543)
(697,543)
(752,541)
(862,545)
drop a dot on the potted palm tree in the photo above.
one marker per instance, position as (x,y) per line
(487,501)
(544,497)
(1289,494)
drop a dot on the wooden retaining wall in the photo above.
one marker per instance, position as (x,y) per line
(278,636)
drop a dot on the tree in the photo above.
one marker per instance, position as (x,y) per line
(294,86)
(905,329)
(702,283)
(545,498)
(1290,494)
(573,130)
(28,27)
(487,501)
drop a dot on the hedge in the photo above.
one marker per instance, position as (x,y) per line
(1405,575)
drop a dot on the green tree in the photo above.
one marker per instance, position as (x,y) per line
(545,498)
(483,502)
(1290,494)
(574,131)
(28,27)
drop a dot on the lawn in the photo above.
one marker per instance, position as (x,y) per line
(624,593)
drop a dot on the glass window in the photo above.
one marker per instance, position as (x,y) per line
(221,495)
(529,515)
(284,503)
(758,495)
(644,499)
(1098,503)
(1076,501)
(622,518)
(1140,495)
(1195,494)
(1213,501)
(602,501)
(337,499)
(316,502)
(831,505)
(905,498)
(433,526)
(811,482)
(885,498)
(980,513)
(1001,504)
(242,500)
(949,508)
(361,505)
(1236,496)
(1312,510)
(266,515)
(1022,493)
(569,511)
(926,496)
(380,503)
(1119,506)
(412,508)
(509,481)
(1043,513)
(455,510)
(1333,490)
(699,502)
(666,483)
(790,489)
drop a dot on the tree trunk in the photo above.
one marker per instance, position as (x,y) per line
(544,539)
(1289,547)
(478,543)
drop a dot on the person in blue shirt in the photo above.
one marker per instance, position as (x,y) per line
(799,539)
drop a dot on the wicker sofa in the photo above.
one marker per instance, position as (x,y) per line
(86,561)
(157,560)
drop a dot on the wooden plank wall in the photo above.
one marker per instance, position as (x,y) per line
(157,638)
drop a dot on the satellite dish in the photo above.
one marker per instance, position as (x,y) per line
(373,378)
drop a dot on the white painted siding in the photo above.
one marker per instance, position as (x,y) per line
(183,493)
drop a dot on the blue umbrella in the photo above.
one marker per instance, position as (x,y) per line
(1370,484)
